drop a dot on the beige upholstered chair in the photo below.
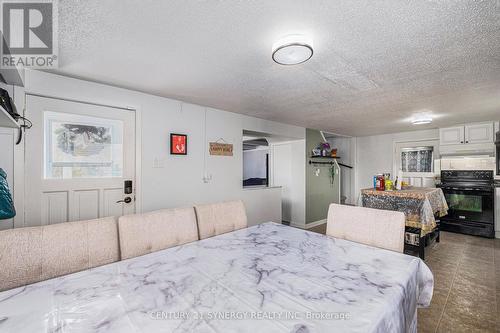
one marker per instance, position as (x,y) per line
(379,228)
(150,232)
(29,255)
(220,218)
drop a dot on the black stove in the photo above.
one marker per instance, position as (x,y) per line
(470,195)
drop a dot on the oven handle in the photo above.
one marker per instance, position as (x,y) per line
(486,189)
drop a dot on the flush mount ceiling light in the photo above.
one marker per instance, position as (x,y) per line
(292,50)
(421,120)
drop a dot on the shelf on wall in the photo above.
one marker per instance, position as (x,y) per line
(6,120)
(330,157)
(330,163)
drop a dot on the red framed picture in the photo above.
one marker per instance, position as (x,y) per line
(178,144)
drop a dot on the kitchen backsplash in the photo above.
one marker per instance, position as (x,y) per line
(468,163)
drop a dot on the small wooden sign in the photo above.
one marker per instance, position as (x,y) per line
(221,149)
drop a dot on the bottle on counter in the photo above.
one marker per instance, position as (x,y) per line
(380,183)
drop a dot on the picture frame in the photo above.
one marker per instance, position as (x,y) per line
(178,144)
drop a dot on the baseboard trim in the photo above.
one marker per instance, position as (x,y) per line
(497,234)
(295,225)
(308,225)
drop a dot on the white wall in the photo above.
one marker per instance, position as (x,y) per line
(374,154)
(254,163)
(254,202)
(282,176)
(288,171)
(298,195)
(180,181)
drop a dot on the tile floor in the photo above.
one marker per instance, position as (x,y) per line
(466,285)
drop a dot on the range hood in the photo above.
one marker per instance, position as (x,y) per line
(468,149)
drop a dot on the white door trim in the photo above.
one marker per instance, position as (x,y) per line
(394,148)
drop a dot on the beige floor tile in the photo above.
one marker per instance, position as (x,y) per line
(474,286)
(456,324)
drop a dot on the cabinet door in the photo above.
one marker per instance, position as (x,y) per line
(479,133)
(451,135)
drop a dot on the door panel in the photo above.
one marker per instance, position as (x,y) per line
(77,158)
(54,207)
(86,203)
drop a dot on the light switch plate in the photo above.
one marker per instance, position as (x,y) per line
(159,163)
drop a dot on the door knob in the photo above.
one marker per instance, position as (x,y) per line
(126,200)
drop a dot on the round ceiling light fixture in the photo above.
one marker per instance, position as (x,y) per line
(292,50)
(422,120)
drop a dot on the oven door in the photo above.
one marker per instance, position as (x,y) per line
(470,205)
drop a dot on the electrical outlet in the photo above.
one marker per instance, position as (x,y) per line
(207,178)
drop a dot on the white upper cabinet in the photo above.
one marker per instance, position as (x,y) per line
(467,134)
(479,133)
(452,135)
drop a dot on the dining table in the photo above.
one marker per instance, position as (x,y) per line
(265,278)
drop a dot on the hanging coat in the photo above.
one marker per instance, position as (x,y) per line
(7,210)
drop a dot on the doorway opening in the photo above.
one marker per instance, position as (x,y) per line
(255,162)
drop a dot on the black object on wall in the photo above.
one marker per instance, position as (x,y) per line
(6,103)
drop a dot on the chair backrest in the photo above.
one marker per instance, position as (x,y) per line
(29,255)
(380,228)
(141,234)
(220,218)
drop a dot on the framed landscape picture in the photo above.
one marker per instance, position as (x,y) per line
(178,144)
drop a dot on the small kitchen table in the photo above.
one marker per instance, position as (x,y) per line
(267,278)
(421,205)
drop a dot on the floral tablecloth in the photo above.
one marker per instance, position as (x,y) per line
(420,204)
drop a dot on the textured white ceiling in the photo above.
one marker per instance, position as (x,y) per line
(376,63)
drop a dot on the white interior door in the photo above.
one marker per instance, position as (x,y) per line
(78,157)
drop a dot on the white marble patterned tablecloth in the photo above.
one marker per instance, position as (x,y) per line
(267,278)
